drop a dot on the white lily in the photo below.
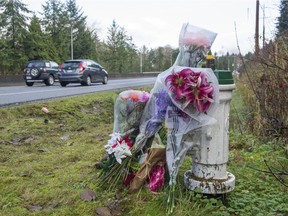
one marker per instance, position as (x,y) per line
(114,138)
(121,151)
(109,149)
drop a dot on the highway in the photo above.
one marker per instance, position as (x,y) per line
(16,95)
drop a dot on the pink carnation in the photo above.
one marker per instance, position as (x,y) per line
(156,180)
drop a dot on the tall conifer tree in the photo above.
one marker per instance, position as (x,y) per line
(13,29)
(282,24)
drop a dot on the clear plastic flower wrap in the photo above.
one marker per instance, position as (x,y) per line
(195,94)
(128,110)
(195,91)
(189,96)
(194,43)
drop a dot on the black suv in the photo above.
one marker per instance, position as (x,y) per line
(41,71)
(84,71)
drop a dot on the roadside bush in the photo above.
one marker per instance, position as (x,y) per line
(263,87)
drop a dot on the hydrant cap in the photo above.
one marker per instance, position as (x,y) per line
(224,77)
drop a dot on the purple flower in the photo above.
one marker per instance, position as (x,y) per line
(152,127)
(162,102)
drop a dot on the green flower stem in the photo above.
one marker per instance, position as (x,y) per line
(170,200)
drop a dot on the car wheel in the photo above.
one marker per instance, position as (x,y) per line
(50,81)
(63,84)
(87,82)
(29,83)
(105,80)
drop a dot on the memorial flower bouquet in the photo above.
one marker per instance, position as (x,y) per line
(128,110)
(154,113)
(193,92)
(119,146)
(182,100)
(190,89)
(194,42)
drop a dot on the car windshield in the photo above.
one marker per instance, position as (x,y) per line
(36,64)
(71,65)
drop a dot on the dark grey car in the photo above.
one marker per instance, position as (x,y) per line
(41,71)
(84,71)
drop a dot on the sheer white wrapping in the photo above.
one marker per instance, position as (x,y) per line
(162,106)
(194,42)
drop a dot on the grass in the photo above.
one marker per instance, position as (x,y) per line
(46,166)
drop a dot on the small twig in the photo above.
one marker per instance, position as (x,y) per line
(282,166)
(268,172)
(6,141)
(278,179)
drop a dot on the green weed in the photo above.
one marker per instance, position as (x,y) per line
(46,166)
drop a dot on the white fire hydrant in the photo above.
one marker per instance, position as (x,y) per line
(210,152)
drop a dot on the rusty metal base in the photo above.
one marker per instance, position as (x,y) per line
(209,186)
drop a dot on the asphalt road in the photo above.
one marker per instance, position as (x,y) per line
(16,95)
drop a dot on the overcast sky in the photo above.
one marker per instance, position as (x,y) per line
(157,23)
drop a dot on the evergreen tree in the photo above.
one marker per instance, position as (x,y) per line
(84,44)
(57,26)
(75,14)
(37,45)
(119,45)
(13,31)
(168,57)
(4,56)
(101,51)
(282,24)
(132,63)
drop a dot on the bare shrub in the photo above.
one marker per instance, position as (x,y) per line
(264,87)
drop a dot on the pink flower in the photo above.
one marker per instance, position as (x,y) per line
(156,180)
(195,40)
(136,96)
(177,82)
(189,87)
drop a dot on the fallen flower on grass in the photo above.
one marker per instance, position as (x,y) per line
(45,110)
